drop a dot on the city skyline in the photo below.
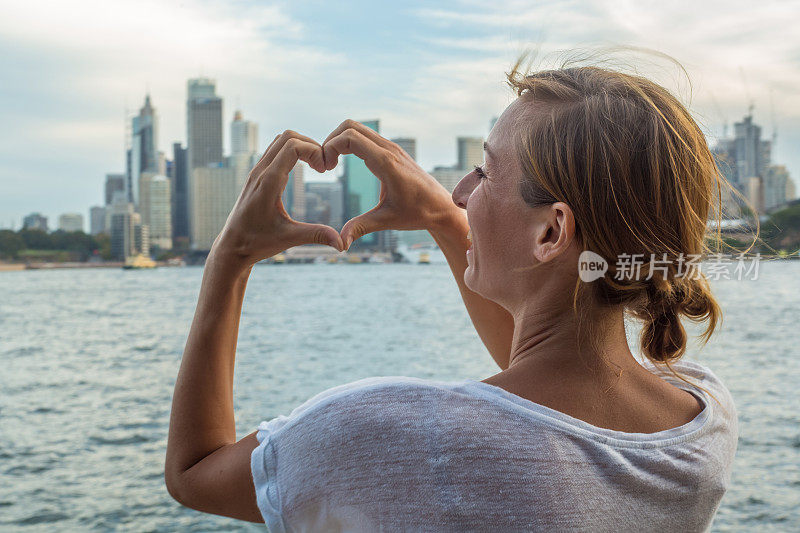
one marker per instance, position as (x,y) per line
(437,74)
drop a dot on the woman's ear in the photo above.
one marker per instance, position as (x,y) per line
(555,231)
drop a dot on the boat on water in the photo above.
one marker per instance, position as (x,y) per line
(424,258)
(140,261)
(279,258)
(354,259)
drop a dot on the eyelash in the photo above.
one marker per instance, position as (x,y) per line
(481,174)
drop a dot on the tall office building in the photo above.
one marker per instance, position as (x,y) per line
(294,194)
(203,123)
(449,176)
(408,144)
(180,195)
(160,212)
(361,190)
(213,190)
(97,220)
(244,148)
(324,203)
(70,222)
(470,152)
(144,147)
(128,236)
(244,135)
(114,182)
(747,156)
(35,221)
(156,209)
(204,148)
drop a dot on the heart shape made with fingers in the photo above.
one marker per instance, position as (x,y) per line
(408,199)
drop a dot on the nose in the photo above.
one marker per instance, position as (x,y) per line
(464,189)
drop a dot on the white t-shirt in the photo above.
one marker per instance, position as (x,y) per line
(408,454)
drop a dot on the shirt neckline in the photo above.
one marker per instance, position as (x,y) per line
(685,432)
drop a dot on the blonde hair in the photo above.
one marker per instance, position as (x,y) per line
(637,172)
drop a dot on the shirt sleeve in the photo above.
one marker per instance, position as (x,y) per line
(292,454)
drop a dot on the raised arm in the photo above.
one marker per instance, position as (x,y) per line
(206,468)
(411,199)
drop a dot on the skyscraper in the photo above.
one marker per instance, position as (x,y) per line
(361,189)
(128,236)
(408,144)
(244,135)
(97,219)
(114,182)
(204,148)
(244,148)
(180,195)
(144,147)
(449,176)
(203,123)
(294,195)
(213,191)
(159,217)
(470,152)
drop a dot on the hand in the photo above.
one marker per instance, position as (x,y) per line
(410,198)
(258,225)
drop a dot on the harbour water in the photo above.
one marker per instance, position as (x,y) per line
(88,359)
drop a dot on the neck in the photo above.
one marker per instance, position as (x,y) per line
(546,335)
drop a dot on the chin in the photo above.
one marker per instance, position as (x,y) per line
(470,279)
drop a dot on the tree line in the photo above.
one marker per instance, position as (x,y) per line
(35,244)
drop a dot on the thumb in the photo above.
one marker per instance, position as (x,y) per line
(305,233)
(357,227)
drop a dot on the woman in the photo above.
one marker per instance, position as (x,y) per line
(573,433)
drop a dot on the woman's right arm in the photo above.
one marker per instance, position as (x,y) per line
(411,199)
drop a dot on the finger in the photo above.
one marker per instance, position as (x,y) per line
(361,128)
(352,141)
(276,175)
(376,219)
(275,147)
(305,233)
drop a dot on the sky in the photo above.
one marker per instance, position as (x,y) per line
(73,71)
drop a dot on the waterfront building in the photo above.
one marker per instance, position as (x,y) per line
(35,221)
(114,183)
(203,123)
(70,222)
(294,194)
(144,148)
(180,194)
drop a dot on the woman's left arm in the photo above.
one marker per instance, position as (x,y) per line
(206,468)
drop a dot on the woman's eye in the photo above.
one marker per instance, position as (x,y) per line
(479,171)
